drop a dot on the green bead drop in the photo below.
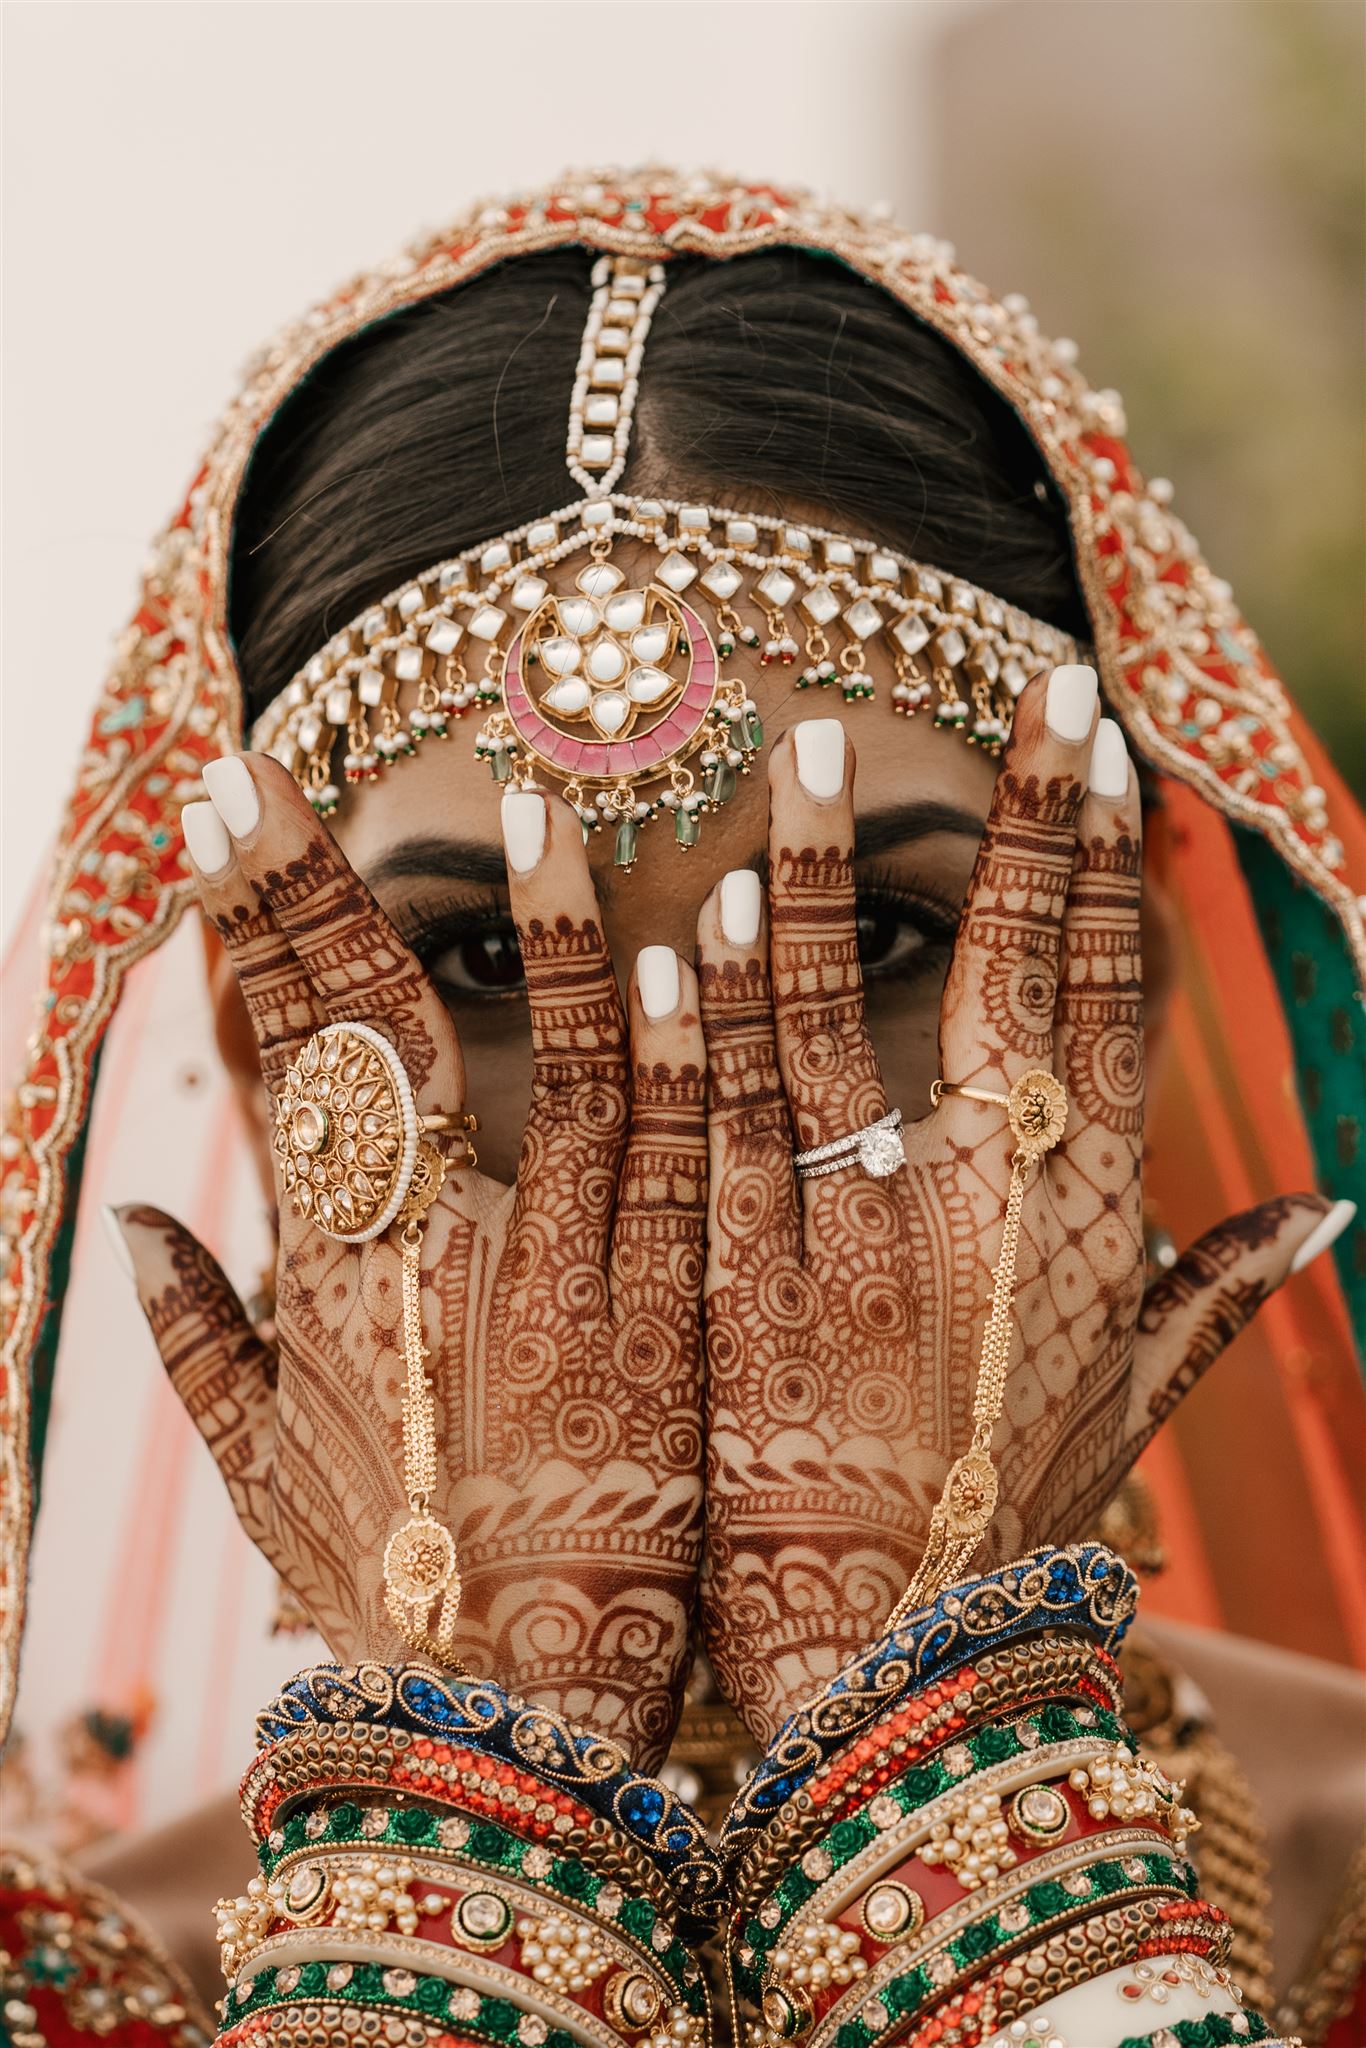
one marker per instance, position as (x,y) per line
(720,783)
(500,762)
(687,826)
(754,729)
(625,852)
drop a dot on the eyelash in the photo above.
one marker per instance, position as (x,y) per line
(933,918)
(439,932)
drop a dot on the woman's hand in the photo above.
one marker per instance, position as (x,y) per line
(845,1315)
(561,1314)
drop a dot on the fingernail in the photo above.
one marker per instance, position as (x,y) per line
(1071,702)
(820,757)
(1326,1231)
(740,901)
(1109,776)
(207,838)
(118,1243)
(233,794)
(523,829)
(657,980)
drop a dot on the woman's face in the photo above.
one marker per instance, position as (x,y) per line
(426,838)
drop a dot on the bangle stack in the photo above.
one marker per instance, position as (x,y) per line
(949,1856)
(956,1844)
(460,1866)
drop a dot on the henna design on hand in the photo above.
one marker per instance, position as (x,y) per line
(351,951)
(833,1080)
(843,1333)
(562,1319)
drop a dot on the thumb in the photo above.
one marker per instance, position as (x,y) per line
(217,1364)
(1194,1311)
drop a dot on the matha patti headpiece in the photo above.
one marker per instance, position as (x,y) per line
(611,679)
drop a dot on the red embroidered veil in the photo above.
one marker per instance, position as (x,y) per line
(1257,840)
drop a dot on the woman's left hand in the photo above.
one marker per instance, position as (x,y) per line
(844,1315)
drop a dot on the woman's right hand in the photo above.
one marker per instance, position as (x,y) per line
(561,1314)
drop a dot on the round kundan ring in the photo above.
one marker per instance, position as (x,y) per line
(877,1148)
(1036,1107)
(348,1134)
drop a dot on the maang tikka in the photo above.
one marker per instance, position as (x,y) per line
(616,688)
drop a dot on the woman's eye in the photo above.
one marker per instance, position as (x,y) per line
(891,941)
(483,963)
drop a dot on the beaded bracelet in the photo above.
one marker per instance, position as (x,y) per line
(301,2002)
(561,1882)
(386,1761)
(1084,1588)
(928,1723)
(967,1938)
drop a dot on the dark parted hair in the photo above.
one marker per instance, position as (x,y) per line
(778,382)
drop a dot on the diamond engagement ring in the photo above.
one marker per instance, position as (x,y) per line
(877,1148)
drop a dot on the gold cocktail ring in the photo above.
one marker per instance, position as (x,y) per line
(1036,1106)
(349,1138)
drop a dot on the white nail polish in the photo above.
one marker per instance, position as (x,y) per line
(740,903)
(1326,1231)
(118,1243)
(523,829)
(820,756)
(1071,701)
(233,794)
(207,838)
(1109,775)
(657,980)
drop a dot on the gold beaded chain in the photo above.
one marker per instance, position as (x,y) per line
(1037,1108)
(420,1564)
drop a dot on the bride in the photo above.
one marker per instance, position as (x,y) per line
(800,1308)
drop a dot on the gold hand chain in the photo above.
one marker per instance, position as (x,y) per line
(1037,1108)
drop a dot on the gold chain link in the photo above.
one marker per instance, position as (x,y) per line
(962,1515)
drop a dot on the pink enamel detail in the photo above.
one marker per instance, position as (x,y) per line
(606,759)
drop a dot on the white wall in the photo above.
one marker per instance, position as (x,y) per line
(180,179)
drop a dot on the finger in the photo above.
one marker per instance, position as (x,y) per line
(576,1127)
(279,997)
(217,1364)
(1098,1037)
(753,1215)
(828,1065)
(359,967)
(1194,1311)
(997,1016)
(657,1237)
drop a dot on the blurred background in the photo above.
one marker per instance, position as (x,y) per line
(1175,183)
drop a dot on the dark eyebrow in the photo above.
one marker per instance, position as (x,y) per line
(898,824)
(480,861)
(446,860)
